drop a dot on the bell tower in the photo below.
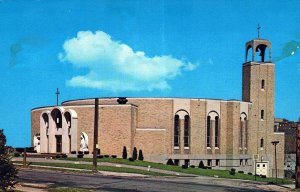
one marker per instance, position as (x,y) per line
(258,88)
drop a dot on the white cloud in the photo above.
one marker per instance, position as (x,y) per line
(115,66)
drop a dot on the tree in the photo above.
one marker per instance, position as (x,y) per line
(141,156)
(134,153)
(124,154)
(8,172)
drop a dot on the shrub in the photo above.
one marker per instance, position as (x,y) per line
(240,171)
(192,166)
(86,152)
(170,162)
(201,165)
(124,154)
(249,173)
(16,154)
(106,156)
(134,153)
(8,172)
(80,155)
(100,156)
(232,171)
(263,176)
(131,159)
(141,156)
(114,156)
(64,155)
(73,152)
(80,152)
(184,166)
(207,167)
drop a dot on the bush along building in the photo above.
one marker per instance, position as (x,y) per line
(222,134)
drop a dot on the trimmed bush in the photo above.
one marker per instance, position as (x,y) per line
(16,154)
(184,166)
(240,171)
(80,152)
(170,162)
(263,176)
(114,156)
(80,155)
(73,152)
(124,154)
(201,165)
(232,171)
(249,173)
(134,153)
(131,159)
(192,166)
(106,156)
(100,156)
(86,152)
(141,156)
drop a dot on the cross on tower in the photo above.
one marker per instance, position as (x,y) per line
(57,94)
(258,28)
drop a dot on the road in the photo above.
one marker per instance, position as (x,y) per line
(99,182)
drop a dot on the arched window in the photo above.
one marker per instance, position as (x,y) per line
(208,142)
(216,131)
(186,130)
(57,118)
(176,131)
(243,131)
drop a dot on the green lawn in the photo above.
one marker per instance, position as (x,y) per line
(196,171)
(100,168)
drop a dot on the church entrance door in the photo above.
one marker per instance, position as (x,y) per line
(58,143)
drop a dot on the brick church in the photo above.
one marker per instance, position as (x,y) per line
(223,134)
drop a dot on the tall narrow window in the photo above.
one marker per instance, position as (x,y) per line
(216,131)
(241,132)
(246,132)
(208,132)
(186,130)
(176,131)
(263,84)
(262,114)
(262,143)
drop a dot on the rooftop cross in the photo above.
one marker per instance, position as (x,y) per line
(57,94)
(258,28)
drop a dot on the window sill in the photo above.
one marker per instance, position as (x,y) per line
(176,147)
(186,147)
(217,148)
(208,147)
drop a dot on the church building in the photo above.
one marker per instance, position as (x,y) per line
(223,134)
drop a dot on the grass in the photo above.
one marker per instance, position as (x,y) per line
(99,168)
(196,171)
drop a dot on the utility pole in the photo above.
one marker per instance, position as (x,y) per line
(275,143)
(95,151)
(57,94)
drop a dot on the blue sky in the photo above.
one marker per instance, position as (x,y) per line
(172,48)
